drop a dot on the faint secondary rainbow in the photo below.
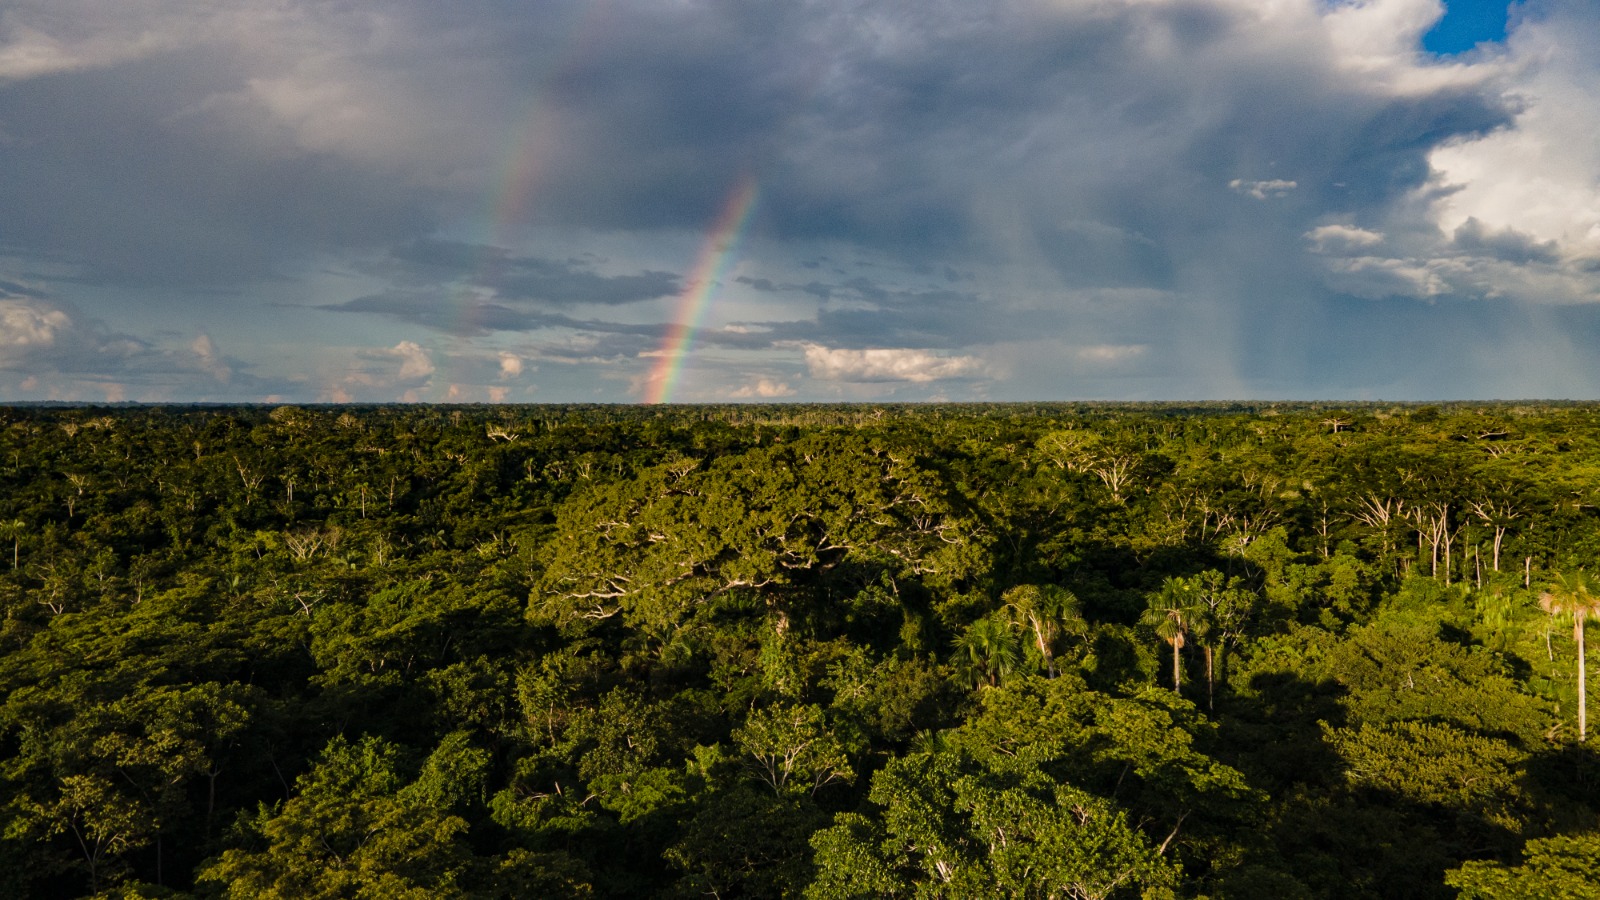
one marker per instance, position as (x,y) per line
(715,255)
(530,142)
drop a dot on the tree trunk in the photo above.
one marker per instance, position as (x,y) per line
(1044,648)
(1583,709)
(1177,645)
(1211,695)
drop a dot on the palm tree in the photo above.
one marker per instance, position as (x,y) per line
(1221,606)
(1045,613)
(1171,614)
(14,529)
(991,649)
(1577,595)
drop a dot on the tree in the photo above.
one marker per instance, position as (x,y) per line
(1171,613)
(990,649)
(1498,514)
(1221,607)
(1576,595)
(358,827)
(792,746)
(1045,613)
(14,529)
(947,825)
(1557,867)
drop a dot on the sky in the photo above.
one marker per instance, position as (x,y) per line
(300,201)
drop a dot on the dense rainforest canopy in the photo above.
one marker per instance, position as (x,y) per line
(1053,651)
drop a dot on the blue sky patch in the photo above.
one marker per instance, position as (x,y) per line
(1466,24)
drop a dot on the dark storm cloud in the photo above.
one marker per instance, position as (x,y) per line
(526,278)
(1112,130)
(121,174)
(470,317)
(864,313)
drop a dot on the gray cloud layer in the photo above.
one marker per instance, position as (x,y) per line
(1033,198)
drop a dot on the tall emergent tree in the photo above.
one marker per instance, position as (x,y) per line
(1575,594)
(1171,614)
(1221,608)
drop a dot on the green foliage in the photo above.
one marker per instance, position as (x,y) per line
(1077,650)
(357,827)
(792,748)
(1427,763)
(1556,868)
(951,827)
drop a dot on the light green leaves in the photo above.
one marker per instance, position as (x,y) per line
(1557,868)
(793,748)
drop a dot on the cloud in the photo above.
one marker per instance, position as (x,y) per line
(1231,185)
(38,39)
(210,360)
(509,277)
(414,362)
(1538,175)
(1507,244)
(382,374)
(764,388)
(510,365)
(60,352)
(40,336)
(1342,239)
(1377,277)
(29,325)
(1261,190)
(888,365)
(470,316)
(1111,353)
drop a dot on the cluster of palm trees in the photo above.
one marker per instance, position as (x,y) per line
(1035,620)
(1210,607)
(1029,628)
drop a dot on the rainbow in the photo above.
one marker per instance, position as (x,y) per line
(715,256)
(529,145)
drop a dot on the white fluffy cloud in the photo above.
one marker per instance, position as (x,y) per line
(29,325)
(210,359)
(1342,239)
(765,389)
(887,364)
(415,364)
(1541,176)
(402,372)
